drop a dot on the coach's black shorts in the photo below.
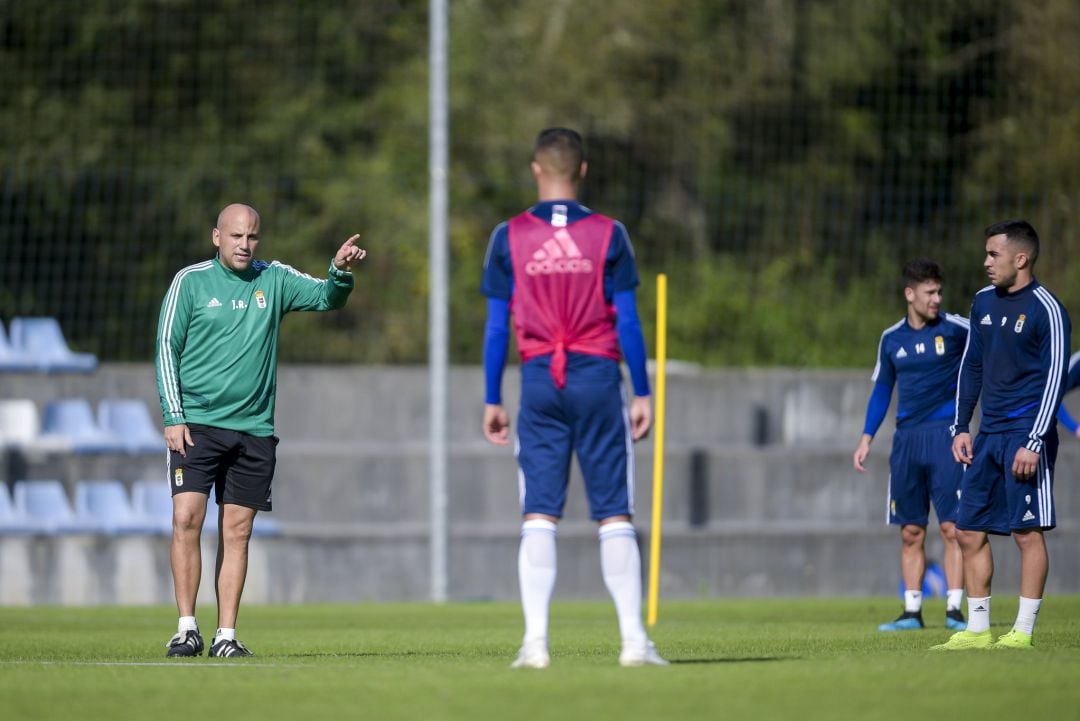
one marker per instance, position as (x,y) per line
(240,467)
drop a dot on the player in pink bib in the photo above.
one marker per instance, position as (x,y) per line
(558,304)
(567,276)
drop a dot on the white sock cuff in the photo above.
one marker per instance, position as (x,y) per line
(187,623)
(538,525)
(978,614)
(954,597)
(618,528)
(913,601)
(1027,614)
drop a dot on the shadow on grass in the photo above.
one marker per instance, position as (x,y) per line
(448,654)
(369,654)
(745,659)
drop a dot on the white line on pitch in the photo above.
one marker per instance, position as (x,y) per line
(242,664)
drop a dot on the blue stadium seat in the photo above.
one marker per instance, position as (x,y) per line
(42,340)
(153,499)
(266,526)
(11,519)
(46,505)
(73,418)
(20,427)
(12,358)
(128,420)
(104,505)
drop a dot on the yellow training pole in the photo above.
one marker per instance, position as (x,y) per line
(658,448)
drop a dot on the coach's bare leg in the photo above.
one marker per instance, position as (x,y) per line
(189,510)
(234,528)
(1034,562)
(912,556)
(978,562)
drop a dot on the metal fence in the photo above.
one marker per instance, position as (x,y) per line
(779,160)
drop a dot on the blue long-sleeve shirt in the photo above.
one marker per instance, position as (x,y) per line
(1015,363)
(923,364)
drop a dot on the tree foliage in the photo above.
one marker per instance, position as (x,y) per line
(778,159)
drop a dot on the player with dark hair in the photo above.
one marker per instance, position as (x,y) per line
(568,276)
(1015,367)
(216,373)
(920,354)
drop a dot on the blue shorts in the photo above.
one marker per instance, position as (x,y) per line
(992,500)
(587,417)
(921,469)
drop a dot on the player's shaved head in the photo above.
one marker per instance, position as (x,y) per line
(231,211)
(560,152)
(236,236)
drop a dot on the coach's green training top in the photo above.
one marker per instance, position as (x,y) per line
(217,340)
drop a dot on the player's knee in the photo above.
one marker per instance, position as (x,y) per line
(969,540)
(1028,539)
(948,533)
(236,531)
(913,535)
(187,521)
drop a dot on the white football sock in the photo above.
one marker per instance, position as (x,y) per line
(228,634)
(621,564)
(978,614)
(912,601)
(187,623)
(1025,617)
(536,575)
(955,596)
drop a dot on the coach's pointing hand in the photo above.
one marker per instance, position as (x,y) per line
(348,254)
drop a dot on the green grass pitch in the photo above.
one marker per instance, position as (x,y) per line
(748,659)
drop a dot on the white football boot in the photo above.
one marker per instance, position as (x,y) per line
(640,653)
(533,654)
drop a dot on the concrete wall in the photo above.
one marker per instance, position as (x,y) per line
(760,496)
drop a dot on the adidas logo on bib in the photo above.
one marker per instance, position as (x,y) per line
(559,254)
